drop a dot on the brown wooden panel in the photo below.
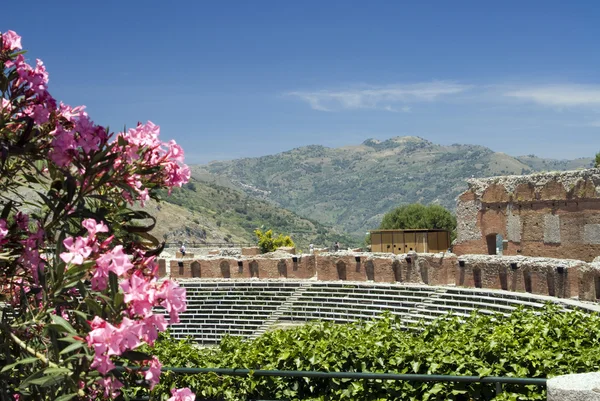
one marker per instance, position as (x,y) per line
(409,242)
(387,241)
(376,242)
(432,242)
(420,242)
(398,245)
(443,241)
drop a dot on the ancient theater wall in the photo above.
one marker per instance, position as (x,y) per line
(298,267)
(551,215)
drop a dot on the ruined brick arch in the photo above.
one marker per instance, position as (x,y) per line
(341,270)
(583,189)
(496,193)
(553,190)
(494,221)
(195,267)
(225,269)
(524,192)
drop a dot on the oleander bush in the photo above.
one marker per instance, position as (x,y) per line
(525,344)
(78,278)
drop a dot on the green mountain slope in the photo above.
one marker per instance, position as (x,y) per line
(206,212)
(352,187)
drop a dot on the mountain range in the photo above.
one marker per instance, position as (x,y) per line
(349,188)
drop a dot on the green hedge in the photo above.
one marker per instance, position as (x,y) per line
(524,344)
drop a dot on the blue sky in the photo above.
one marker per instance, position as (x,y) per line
(230,79)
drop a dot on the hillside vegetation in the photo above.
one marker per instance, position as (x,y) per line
(206,212)
(353,187)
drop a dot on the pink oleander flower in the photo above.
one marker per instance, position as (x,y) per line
(173,297)
(111,386)
(101,340)
(152,375)
(174,152)
(115,261)
(39,113)
(79,250)
(11,41)
(140,294)
(182,394)
(151,326)
(94,227)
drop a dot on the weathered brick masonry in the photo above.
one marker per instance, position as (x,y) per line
(564,278)
(548,214)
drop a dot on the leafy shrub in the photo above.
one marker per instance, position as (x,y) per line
(520,345)
(268,243)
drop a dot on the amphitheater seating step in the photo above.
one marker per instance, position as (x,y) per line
(250,307)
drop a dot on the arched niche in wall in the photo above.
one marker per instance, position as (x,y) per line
(225,269)
(397,270)
(282,268)
(341,269)
(253,268)
(196,269)
(370,270)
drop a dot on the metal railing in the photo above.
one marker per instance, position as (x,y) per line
(499,381)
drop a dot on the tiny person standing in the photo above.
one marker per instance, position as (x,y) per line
(182,250)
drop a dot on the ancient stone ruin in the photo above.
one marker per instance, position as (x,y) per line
(547,214)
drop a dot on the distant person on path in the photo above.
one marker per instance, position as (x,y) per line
(336,246)
(311,248)
(182,249)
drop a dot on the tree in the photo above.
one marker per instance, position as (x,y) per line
(78,278)
(418,216)
(268,243)
(597,161)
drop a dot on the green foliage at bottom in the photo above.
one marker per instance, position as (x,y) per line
(524,344)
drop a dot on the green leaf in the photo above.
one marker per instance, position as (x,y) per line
(61,323)
(66,397)
(72,347)
(21,362)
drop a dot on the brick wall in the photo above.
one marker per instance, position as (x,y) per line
(551,215)
(564,278)
(299,267)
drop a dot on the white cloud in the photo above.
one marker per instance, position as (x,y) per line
(386,97)
(560,95)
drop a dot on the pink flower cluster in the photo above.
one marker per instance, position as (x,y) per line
(75,135)
(143,146)
(11,41)
(141,292)
(183,394)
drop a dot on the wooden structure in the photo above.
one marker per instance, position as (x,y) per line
(404,241)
